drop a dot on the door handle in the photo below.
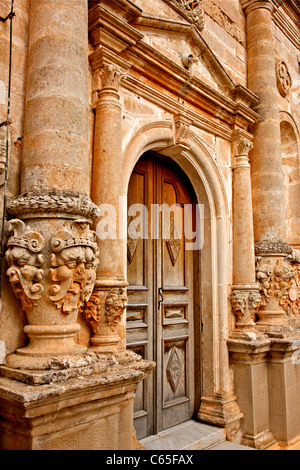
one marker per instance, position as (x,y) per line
(161,297)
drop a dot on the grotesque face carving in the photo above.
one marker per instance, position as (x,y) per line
(25,261)
(74,265)
(116,302)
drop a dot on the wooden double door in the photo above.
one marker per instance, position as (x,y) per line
(162,292)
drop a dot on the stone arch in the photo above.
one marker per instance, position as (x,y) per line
(208,185)
(291,171)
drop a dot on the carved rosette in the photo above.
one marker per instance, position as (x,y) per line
(284,81)
(74,265)
(245,304)
(115,304)
(25,263)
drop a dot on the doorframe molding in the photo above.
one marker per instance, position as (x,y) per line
(218,403)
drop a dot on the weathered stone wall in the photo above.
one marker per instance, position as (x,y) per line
(11,317)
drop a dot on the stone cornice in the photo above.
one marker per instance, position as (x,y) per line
(286,26)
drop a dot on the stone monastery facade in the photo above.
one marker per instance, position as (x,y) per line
(114,324)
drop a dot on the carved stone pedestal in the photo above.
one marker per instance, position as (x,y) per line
(52,258)
(71,411)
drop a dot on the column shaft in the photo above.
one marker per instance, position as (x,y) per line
(56,147)
(266,163)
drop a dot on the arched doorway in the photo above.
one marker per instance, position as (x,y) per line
(163,313)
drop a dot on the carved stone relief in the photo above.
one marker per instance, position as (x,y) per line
(277,278)
(192,9)
(115,304)
(53,202)
(25,263)
(245,304)
(182,129)
(92,311)
(284,81)
(74,263)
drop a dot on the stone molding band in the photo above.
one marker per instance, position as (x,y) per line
(268,247)
(37,203)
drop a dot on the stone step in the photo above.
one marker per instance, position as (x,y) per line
(191,435)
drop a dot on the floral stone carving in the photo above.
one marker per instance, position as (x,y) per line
(74,263)
(25,263)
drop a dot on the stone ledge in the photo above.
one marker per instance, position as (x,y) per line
(60,369)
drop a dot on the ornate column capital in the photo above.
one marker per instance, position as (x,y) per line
(243,148)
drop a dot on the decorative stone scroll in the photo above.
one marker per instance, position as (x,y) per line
(182,129)
(25,263)
(191,9)
(284,81)
(74,263)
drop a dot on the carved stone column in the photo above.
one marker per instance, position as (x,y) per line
(273,263)
(245,297)
(110,286)
(52,254)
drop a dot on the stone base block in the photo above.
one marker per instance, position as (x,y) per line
(222,410)
(91,411)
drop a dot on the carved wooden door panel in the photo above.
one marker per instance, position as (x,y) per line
(160,294)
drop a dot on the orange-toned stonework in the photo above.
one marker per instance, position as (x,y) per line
(107,338)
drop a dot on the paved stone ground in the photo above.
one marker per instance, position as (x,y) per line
(191,435)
